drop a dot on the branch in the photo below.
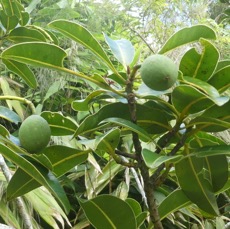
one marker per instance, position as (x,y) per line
(148,187)
(129,155)
(120,160)
(158,179)
(142,38)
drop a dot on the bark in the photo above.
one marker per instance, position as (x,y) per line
(148,186)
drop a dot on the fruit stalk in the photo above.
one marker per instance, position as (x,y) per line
(148,186)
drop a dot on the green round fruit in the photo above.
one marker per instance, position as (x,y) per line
(34,134)
(159,72)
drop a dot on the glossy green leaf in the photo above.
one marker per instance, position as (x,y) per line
(141,218)
(214,119)
(8,22)
(137,55)
(49,56)
(22,183)
(172,203)
(150,118)
(193,100)
(110,212)
(221,79)
(219,174)
(198,187)
(209,60)
(222,64)
(210,124)
(109,141)
(9,115)
(80,34)
(4,132)
(147,93)
(212,151)
(61,159)
(50,36)
(202,139)
(11,8)
(136,207)
(59,124)
(181,37)
(202,86)
(24,18)
(64,158)
(153,160)
(23,71)
(83,104)
(36,53)
(155,100)
(41,176)
(200,66)
(129,125)
(24,34)
(189,62)
(122,49)
(220,112)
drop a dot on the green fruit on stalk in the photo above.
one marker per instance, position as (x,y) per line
(159,72)
(34,134)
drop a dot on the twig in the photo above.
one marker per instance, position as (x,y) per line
(142,38)
(158,179)
(129,155)
(119,160)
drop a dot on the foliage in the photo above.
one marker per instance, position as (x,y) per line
(128,152)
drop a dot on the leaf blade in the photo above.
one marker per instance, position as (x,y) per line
(59,124)
(131,126)
(39,54)
(181,37)
(153,160)
(80,34)
(197,188)
(23,71)
(107,211)
(173,202)
(47,180)
(122,50)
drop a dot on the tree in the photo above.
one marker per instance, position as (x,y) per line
(163,137)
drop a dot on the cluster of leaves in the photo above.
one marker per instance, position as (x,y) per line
(187,164)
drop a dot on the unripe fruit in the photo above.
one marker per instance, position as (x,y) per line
(34,134)
(159,72)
